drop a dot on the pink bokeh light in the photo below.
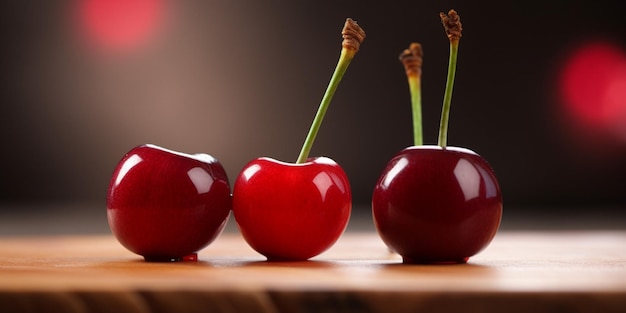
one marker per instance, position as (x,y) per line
(119,25)
(593,88)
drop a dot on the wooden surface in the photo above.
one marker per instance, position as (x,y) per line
(518,272)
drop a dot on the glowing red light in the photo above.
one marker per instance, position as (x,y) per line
(593,86)
(116,25)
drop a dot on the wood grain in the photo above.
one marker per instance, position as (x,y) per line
(518,272)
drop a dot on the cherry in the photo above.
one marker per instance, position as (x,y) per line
(165,205)
(436,204)
(295,211)
(292,211)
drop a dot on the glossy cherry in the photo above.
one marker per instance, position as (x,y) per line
(437,205)
(288,211)
(295,211)
(165,205)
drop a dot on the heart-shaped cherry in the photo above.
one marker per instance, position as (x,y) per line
(292,211)
(288,211)
(436,204)
(165,205)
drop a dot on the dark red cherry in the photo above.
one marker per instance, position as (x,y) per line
(437,205)
(165,205)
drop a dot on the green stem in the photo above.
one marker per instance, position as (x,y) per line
(342,65)
(447,98)
(416,107)
(412,59)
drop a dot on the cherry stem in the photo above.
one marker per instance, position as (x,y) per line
(453,28)
(447,98)
(352,35)
(411,58)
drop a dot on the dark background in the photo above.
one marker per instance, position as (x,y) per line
(243,79)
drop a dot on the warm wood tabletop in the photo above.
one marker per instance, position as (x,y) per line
(522,271)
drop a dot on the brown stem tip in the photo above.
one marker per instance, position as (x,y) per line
(352,34)
(452,25)
(412,58)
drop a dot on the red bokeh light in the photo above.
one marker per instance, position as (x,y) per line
(593,87)
(119,25)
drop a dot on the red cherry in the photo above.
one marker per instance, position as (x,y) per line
(437,205)
(166,205)
(288,211)
(295,211)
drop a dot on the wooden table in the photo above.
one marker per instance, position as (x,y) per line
(580,271)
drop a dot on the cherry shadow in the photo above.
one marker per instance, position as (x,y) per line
(442,268)
(263,263)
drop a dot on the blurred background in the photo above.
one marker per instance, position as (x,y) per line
(540,92)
